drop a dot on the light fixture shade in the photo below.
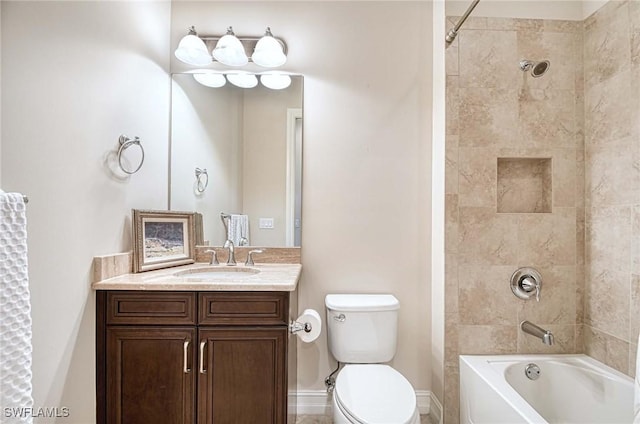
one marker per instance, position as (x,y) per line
(243,79)
(192,50)
(268,52)
(230,51)
(275,81)
(210,79)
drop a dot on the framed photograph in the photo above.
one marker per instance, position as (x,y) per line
(162,239)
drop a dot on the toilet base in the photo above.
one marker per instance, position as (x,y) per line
(340,418)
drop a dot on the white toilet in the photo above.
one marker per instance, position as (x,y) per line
(362,331)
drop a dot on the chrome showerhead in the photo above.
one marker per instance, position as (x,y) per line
(537,69)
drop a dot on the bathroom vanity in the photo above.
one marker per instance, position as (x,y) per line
(172,349)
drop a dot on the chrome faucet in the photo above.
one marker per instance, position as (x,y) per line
(232,256)
(530,328)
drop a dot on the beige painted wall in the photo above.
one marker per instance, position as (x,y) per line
(75,75)
(612,134)
(366,162)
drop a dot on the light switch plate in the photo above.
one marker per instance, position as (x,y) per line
(265,223)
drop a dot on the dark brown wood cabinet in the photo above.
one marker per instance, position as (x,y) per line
(192,357)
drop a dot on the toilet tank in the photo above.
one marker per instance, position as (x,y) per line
(362,328)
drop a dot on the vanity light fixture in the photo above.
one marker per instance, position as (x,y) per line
(275,80)
(192,50)
(268,51)
(243,79)
(229,50)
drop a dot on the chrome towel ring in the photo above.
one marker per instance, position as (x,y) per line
(125,143)
(202,180)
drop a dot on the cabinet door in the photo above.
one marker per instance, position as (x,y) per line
(150,375)
(242,375)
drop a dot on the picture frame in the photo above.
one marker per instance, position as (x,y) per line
(162,239)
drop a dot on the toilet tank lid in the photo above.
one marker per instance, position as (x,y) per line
(361,302)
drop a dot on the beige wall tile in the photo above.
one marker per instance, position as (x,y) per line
(580,292)
(483,55)
(557,298)
(609,185)
(580,338)
(607,45)
(547,239)
(547,117)
(451,223)
(634,20)
(607,349)
(451,394)
(610,112)
(607,302)
(487,237)
(488,117)
(633,352)
(487,339)
(485,297)
(635,241)
(451,284)
(452,105)
(565,186)
(451,165)
(451,339)
(609,235)
(477,177)
(451,58)
(554,25)
(634,315)
(564,338)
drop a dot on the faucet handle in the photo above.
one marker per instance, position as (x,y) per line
(525,281)
(214,257)
(530,284)
(249,261)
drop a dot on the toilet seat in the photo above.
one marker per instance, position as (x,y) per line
(374,394)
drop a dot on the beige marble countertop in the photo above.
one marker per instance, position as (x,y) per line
(260,277)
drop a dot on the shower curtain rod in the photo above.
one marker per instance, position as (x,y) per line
(453,32)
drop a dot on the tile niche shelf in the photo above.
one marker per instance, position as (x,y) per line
(524,185)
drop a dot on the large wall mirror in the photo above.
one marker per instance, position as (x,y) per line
(249,141)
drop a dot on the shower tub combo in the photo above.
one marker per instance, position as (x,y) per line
(542,389)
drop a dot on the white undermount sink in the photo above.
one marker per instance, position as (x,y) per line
(217,273)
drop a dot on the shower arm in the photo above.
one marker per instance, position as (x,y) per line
(453,32)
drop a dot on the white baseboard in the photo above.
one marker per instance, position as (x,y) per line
(318,402)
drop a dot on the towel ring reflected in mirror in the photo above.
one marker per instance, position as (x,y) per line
(202,180)
(125,143)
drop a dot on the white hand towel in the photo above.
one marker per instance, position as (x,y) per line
(15,311)
(239,230)
(636,389)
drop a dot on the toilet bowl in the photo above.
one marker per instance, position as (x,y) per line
(373,394)
(362,334)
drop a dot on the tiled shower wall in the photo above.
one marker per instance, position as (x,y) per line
(612,135)
(584,233)
(514,189)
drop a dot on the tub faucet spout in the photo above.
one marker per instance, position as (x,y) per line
(530,328)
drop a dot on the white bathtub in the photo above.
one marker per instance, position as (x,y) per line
(570,389)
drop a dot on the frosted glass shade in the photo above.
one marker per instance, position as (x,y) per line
(210,79)
(275,81)
(268,52)
(230,51)
(192,51)
(243,80)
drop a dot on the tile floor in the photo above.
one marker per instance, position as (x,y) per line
(323,419)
